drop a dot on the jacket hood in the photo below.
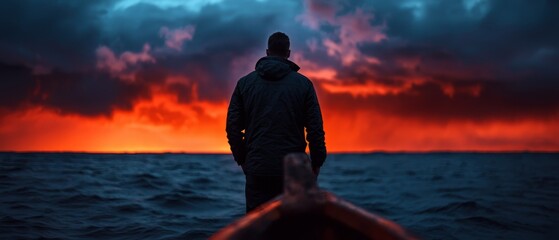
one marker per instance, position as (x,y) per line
(275,68)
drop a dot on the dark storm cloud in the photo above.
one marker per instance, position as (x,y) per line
(16,86)
(85,93)
(498,101)
(497,29)
(508,49)
(60,33)
(505,35)
(63,36)
(88,94)
(497,32)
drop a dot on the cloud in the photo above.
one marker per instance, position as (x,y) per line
(420,61)
(318,12)
(352,30)
(89,94)
(174,38)
(105,74)
(59,34)
(496,101)
(107,60)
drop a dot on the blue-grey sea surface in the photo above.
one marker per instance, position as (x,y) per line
(187,196)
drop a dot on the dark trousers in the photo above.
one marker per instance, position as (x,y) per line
(260,189)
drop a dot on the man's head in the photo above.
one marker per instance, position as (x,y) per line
(278,45)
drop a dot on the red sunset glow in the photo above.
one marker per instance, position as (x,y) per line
(382,85)
(162,125)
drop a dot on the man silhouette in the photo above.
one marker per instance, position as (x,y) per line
(269,111)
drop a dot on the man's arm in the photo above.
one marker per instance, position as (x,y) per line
(235,126)
(315,131)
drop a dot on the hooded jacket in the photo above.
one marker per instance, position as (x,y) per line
(268,113)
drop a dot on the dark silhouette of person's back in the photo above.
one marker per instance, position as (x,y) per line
(269,111)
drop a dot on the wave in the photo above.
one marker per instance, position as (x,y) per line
(167,196)
(148,181)
(467,207)
(129,208)
(84,199)
(133,231)
(180,199)
(484,222)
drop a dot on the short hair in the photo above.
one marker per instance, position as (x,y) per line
(278,44)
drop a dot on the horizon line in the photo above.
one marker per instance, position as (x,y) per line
(331,152)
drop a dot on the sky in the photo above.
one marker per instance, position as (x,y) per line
(157,76)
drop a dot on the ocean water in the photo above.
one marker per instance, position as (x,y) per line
(182,196)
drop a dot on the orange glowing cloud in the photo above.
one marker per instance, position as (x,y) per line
(159,125)
(370,131)
(162,125)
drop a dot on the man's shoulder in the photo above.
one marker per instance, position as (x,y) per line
(249,76)
(301,78)
(300,75)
